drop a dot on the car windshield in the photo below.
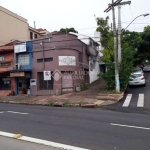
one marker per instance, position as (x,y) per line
(135,75)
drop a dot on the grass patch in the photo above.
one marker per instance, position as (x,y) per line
(51,104)
(66,103)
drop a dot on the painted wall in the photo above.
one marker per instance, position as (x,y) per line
(54,49)
(12,26)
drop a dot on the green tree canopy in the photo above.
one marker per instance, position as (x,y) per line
(67,30)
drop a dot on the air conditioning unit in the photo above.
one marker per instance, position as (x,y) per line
(17,66)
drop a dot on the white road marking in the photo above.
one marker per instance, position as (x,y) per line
(49,143)
(6,134)
(17,112)
(128,126)
(1,112)
(127,100)
(40,141)
(140,100)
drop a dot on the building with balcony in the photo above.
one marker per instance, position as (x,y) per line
(7,84)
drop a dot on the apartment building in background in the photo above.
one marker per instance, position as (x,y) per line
(14,27)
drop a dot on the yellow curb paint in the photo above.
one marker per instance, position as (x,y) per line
(99,102)
(16,136)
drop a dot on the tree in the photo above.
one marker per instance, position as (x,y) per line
(128,52)
(67,30)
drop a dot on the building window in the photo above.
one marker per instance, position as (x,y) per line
(44,85)
(23,59)
(80,58)
(5,83)
(45,60)
(39,60)
(31,36)
(48,59)
(5,64)
(35,36)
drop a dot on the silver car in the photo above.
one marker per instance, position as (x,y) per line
(136,79)
(146,68)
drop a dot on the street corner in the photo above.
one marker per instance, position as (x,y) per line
(99,102)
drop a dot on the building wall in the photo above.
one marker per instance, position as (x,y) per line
(12,27)
(94,71)
(66,45)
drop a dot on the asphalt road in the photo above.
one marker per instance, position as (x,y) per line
(135,93)
(93,129)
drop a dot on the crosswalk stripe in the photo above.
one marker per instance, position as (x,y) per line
(140,100)
(127,100)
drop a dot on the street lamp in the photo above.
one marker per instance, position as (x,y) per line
(144,15)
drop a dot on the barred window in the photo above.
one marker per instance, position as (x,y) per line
(5,83)
(23,59)
(5,64)
(43,84)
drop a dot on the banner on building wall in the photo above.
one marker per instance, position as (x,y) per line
(32,82)
(47,75)
(67,61)
(21,47)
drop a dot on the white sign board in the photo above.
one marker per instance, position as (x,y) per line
(67,60)
(47,75)
(20,47)
(32,82)
(1,58)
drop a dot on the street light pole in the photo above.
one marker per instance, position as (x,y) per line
(119,28)
(144,15)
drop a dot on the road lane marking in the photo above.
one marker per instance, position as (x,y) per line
(40,141)
(140,100)
(128,126)
(127,100)
(17,112)
(1,112)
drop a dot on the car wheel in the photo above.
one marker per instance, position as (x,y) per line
(144,85)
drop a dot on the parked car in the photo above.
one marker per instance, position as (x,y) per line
(139,70)
(146,68)
(137,79)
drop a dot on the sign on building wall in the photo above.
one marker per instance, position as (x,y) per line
(17,74)
(20,47)
(32,82)
(1,58)
(47,75)
(67,61)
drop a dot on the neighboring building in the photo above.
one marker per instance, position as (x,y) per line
(12,27)
(37,33)
(66,57)
(22,68)
(7,83)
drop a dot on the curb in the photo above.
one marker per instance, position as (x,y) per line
(39,141)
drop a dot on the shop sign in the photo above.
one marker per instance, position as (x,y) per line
(17,74)
(32,82)
(21,47)
(47,75)
(1,58)
(67,61)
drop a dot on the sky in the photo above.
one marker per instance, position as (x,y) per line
(56,14)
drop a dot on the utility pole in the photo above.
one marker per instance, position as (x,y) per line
(119,28)
(112,7)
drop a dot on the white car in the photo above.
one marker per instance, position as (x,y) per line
(139,70)
(137,79)
(146,68)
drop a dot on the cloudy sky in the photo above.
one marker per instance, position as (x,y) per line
(56,14)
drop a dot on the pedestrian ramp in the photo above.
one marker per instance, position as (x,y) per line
(140,100)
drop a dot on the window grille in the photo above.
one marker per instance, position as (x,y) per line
(44,84)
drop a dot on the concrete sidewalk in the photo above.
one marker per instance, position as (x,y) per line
(13,144)
(91,97)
